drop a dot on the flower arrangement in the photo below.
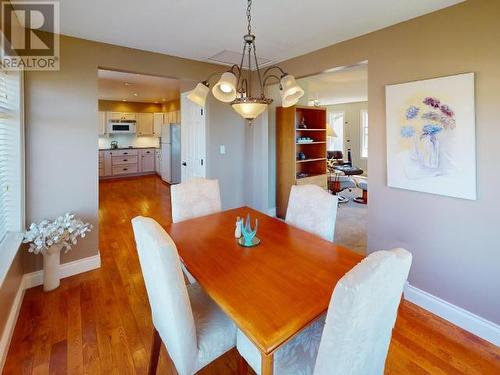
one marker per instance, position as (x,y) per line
(436,118)
(63,231)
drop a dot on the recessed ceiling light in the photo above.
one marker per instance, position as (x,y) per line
(136,94)
(124,100)
(156,102)
(127,83)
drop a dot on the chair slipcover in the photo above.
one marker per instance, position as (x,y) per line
(355,338)
(312,209)
(194,330)
(197,197)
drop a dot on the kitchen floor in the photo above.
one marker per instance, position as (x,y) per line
(100,321)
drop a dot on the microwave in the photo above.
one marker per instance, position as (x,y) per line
(121,126)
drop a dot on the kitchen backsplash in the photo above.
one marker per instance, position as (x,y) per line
(125,140)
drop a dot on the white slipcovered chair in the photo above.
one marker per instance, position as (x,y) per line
(312,209)
(192,327)
(355,338)
(197,197)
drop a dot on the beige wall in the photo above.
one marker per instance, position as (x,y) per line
(226,127)
(171,106)
(61,131)
(455,242)
(120,106)
(352,130)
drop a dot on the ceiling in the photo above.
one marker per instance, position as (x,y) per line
(136,87)
(340,85)
(198,29)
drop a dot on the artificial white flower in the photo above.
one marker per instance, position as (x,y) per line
(63,231)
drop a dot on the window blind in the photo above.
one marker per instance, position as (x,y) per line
(10,153)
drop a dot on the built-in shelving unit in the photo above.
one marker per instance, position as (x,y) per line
(291,168)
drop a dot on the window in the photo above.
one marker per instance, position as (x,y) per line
(364,133)
(11,154)
(336,121)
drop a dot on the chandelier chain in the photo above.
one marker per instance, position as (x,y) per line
(249,16)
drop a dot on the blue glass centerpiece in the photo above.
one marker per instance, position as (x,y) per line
(249,238)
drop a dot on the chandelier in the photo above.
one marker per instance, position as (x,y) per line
(235,85)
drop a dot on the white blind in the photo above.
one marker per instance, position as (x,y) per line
(10,153)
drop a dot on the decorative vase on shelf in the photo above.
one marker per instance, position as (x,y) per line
(51,262)
(49,238)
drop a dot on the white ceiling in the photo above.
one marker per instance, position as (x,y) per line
(199,29)
(341,85)
(136,87)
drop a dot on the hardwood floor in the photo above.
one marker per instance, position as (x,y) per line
(100,322)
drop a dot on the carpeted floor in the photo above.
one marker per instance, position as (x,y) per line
(351,225)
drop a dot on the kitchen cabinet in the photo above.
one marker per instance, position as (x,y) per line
(147,160)
(145,124)
(158,161)
(158,121)
(120,116)
(173,117)
(101,163)
(101,129)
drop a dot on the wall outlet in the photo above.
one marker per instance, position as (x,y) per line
(222,149)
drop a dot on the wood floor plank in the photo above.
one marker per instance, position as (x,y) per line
(99,322)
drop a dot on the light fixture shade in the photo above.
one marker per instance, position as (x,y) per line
(330,132)
(291,92)
(225,89)
(250,108)
(199,94)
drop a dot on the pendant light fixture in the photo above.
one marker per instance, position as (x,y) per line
(235,85)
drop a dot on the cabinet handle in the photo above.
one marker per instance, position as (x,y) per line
(125,159)
(125,169)
(125,153)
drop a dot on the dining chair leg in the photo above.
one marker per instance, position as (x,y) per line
(242,365)
(155,353)
(267,364)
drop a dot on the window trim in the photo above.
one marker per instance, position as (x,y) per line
(362,134)
(10,244)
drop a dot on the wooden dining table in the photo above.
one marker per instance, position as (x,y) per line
(271,291)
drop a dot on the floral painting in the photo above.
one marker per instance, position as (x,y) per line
(431,136)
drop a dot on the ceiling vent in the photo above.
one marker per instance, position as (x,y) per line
(230,58)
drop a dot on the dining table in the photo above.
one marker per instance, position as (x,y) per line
(271,291)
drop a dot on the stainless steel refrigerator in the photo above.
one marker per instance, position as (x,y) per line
(170,144)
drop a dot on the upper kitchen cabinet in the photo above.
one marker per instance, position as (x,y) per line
(145,124)
(101,129)
(120,116)
(158,121)
(173,117)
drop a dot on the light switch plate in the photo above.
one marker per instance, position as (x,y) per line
(222,149)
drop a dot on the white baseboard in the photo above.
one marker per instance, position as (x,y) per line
(10,324)
(67,269)
(271,211)
(466,320)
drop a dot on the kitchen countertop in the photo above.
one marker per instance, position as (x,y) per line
(127,148)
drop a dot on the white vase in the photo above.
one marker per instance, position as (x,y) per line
(51,262)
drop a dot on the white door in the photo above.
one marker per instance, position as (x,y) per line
(193,153)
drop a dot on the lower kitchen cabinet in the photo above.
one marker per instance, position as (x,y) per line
(125,162)
(147,160)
